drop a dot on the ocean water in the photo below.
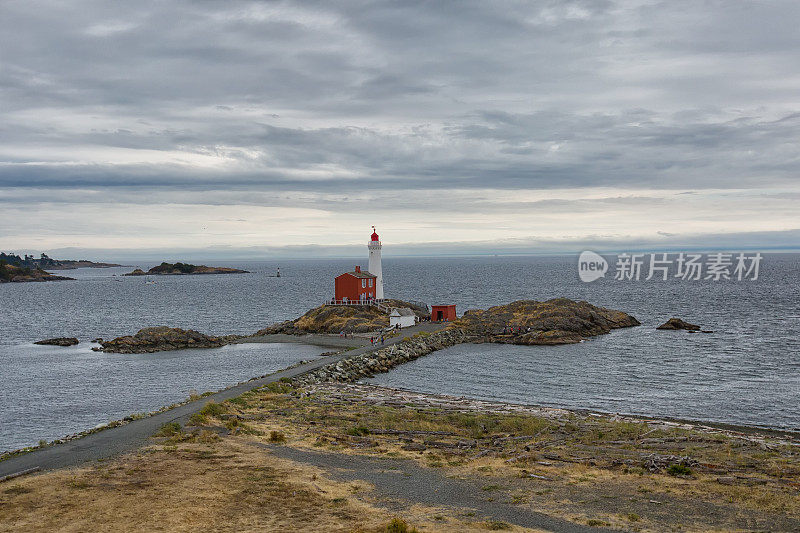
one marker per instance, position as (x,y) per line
(747,371)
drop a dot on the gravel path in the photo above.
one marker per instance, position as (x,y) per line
(404,482)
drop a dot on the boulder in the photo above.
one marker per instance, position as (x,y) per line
(59,341)
(162,338)
(676,323)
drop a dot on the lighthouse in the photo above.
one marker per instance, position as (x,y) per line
(374,246)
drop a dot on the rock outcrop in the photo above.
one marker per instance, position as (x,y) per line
(159,339)
(59,341)
(337,318)
(557,321)
(382,360)
(182,269)
(676,323)
(16,274)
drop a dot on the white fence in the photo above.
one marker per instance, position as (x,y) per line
(361,303)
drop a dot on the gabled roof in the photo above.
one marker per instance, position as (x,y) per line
(362,274)
(401,311)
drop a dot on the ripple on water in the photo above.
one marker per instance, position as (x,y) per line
(53,391)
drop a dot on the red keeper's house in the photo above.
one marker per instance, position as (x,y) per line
(355,286)
(443,313)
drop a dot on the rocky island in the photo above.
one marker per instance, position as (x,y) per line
(556,321)
(16,274)
(677,323)
(181,269)
(158,339)
(58,341)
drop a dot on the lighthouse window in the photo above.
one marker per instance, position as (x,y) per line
(370,282)
(363,283)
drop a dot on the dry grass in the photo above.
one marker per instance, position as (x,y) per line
(585,469)
(593,466)
(198,485)
(193,487)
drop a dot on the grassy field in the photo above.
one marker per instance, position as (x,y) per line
(592,470)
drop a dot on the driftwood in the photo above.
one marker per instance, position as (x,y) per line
(408,432)
(481,454)
(555,457)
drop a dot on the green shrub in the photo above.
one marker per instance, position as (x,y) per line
(279,387)
(169,429)
(276,436)
(212,409)
(357,431)
(198,420)
(398,525)
(239,401)
(679,470)
(497,525)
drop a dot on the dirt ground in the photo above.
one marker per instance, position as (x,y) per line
(203,484)
(272,460)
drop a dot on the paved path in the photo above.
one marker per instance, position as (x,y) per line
(401,481)
(118,440)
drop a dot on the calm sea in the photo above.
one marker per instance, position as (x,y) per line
(747,371)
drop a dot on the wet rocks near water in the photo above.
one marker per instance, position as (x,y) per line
(677,324)
(59,341)
(370,363)
(557,321)
(162,338)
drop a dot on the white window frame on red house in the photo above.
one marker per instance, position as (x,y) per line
(370,282)
(363,284)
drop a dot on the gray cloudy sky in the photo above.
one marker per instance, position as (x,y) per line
(251,129)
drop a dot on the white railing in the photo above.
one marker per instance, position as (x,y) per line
(361,303)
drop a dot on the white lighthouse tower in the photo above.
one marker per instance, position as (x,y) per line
(374,246)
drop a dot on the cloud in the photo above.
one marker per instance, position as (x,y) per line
(406,108)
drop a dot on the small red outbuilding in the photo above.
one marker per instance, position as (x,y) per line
(354,286)
(443,313)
